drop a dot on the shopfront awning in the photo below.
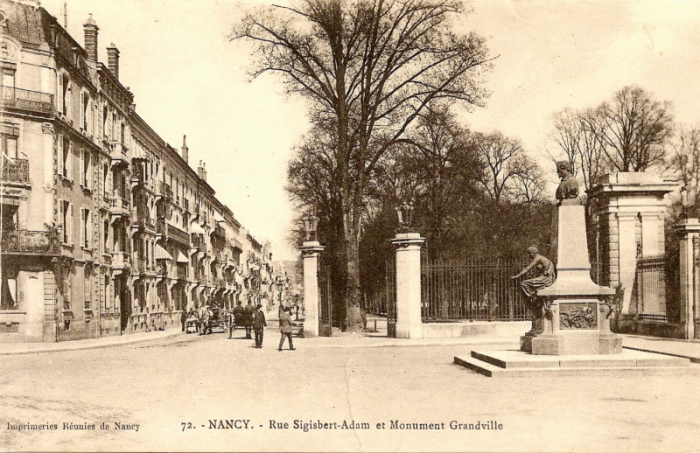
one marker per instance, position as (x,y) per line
(181,259)
(162,254)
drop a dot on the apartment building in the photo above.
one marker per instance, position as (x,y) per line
(106,229)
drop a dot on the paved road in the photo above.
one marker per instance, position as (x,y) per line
(191,379)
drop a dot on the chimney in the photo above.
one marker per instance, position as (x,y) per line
(113,60)
(185,149)
(204,171)
(200,170)
(91,38)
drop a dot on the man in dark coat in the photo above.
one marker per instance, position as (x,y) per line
(183,319)
(238,316)
(249,310)
(286,328)
(259,325)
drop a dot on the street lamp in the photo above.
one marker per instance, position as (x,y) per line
(405,214)
(310,225)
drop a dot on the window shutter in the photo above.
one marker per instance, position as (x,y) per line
(83,215)
(81,154)
(82,111)
(69,101)
(59,92)
(60,155)
(70,223)
(89,170)
(89,229)
(69,161)
(60,219)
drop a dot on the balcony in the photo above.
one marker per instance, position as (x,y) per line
(118,152)
(161,270)
(24,242)
(15,171)
(165,191)
(121,260)
(119,206)
(182,271)
(219,231)
(178,235)
(26,100)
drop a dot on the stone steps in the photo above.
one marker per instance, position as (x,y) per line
(627,364)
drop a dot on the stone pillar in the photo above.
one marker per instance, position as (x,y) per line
(690,231)
(621,204)
(311,251)
(408,293)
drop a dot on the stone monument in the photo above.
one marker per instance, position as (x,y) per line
(572,315)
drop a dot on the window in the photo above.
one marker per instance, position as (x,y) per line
(105,114)
(8,299)
(105,172)
(9,133)
(106,293)
(87,168)
(112,125)
(84,111)
(66,219)
(8,79)
(105,233)
(122,133)
(85,228)
(87,291)
(65,151)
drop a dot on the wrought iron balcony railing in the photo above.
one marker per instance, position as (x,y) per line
(32,101)
(15,170)
(29,242)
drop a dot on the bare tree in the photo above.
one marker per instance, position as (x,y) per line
(684,157)
(372,67)
(500,156)
(635,129)
(579,135)
(528,181)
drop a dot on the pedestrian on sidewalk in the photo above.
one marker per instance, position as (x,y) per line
(259,326)
(183,319)
(286,328)
(249,312)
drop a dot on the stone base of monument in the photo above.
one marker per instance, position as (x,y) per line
(513,363)
(576,343)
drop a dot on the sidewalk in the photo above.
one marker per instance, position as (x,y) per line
(689,349)
(679,348)
(75,345)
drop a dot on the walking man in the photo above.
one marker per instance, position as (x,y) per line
(286,328)
(183,319)
(249,311)
(237,316)
(259,326)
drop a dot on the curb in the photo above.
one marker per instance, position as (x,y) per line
(73,346)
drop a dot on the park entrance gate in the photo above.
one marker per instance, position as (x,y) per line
(458,291)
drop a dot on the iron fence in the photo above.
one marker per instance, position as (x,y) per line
(474,290)
(15,170)
(389,298)
(649,290)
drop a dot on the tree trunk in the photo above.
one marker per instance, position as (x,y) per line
(353,320)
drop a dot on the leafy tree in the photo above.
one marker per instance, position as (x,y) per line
(370,68)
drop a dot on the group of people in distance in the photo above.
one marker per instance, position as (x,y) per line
(251,317)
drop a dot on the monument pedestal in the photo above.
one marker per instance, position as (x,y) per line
(575,312)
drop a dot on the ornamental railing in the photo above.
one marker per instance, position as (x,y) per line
(15,170)
(25,241)
(20,99)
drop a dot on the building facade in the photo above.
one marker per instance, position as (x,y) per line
(106,229)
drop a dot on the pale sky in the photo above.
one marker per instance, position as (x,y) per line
(187,78)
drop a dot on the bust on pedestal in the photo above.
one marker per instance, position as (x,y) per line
(572,315)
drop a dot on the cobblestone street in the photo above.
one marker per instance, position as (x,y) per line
(157,389)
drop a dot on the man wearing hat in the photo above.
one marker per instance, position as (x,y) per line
(286,328)
(259,325)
